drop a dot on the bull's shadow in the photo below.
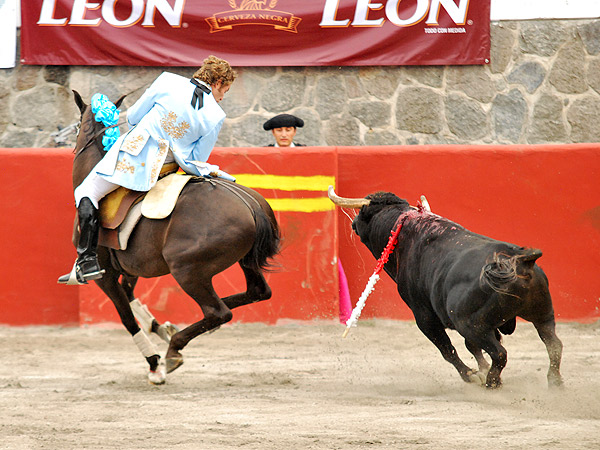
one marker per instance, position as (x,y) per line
(453,278)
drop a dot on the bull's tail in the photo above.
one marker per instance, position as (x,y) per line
(266,243)
(501,273)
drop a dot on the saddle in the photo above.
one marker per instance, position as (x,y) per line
(120,211)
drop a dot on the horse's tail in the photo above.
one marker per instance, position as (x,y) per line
(266,244)
(503,271)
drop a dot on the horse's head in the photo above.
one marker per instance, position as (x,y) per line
(90,131)
(89,140)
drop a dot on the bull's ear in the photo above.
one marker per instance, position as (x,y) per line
(118,102)
(79,101)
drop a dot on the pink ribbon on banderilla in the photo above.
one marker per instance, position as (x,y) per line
(423,205)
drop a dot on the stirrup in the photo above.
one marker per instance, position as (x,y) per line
(76,277)
(72,278)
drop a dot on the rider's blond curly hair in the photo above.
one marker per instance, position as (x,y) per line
(215,69)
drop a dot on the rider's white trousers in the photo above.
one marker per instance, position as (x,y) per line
(94,187)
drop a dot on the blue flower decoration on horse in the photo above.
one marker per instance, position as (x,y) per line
(106,112)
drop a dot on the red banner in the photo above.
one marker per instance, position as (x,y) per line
(255,32)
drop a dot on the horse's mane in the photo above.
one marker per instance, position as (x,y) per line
(87,127)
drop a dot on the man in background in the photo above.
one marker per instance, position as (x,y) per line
(283,127)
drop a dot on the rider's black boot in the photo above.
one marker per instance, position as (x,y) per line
(86,267)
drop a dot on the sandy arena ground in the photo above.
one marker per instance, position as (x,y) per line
(292,386)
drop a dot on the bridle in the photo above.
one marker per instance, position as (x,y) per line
(99,132)
(95,136)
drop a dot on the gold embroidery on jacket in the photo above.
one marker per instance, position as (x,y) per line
(131,144)
(124,166)
(169,124)
(163,148)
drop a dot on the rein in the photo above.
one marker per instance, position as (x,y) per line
(237,191)
(96,135)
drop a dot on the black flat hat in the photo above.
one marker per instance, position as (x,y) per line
(283,120)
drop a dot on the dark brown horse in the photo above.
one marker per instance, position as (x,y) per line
(214,225)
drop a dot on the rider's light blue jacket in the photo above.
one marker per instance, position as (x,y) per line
(163,118)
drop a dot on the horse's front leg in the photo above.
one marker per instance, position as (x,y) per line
(111,287)
(145,318)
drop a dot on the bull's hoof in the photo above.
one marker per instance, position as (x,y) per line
(173,363)
(158,376)
(555,381)
(477,378)
(496,384)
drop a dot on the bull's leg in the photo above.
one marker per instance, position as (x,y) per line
(482,363)
(435,332)
(554,347)
(489,342)
(499,357)
(143,315)
(112,288)
(215,312)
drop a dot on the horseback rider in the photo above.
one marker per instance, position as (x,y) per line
(177,119)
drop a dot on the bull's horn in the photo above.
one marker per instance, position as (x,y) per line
(346,202)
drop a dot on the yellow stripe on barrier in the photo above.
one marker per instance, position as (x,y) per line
(286,183)
(301,204)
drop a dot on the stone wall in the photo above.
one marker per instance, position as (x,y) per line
(541,86)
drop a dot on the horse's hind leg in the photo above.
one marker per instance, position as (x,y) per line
(257,290)
(215,312)
(114,290)
(143,315)
(547,333)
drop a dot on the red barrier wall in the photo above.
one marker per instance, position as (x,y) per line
(540,196)
(35,245)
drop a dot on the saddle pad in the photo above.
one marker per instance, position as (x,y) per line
(160,200)
(133,217)
(114,206)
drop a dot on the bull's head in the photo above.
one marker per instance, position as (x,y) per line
(370,206)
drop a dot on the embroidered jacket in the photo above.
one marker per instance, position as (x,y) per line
(162,119)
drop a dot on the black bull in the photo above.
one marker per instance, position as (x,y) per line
(453,278)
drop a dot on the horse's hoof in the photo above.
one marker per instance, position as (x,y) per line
(174,363)
(158,376)
(166,331)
